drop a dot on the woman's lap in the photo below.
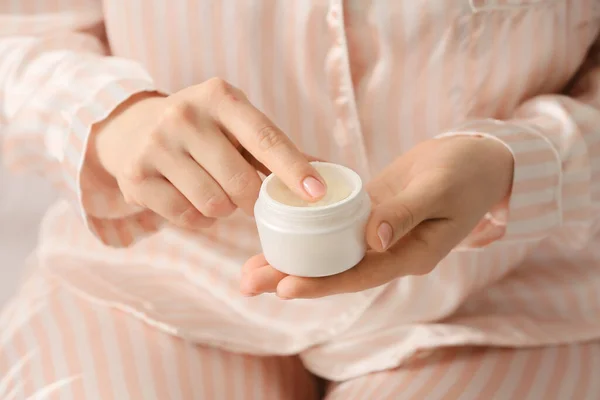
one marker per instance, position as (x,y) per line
(56,343)
(79,350)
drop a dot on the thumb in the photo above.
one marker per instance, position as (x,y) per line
(393,218)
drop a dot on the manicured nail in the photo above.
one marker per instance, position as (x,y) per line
(314,187)
(385,234)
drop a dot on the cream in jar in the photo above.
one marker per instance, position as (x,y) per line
(315,239)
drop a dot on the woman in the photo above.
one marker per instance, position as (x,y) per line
(474,124)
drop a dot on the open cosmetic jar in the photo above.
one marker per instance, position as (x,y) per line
(314,239)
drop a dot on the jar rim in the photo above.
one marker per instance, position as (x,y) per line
(352,177)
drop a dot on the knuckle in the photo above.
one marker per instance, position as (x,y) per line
(404,217)
(175,112)
(241,183)
(217,205)
(381,189)
(187,217)
(156,140)
(179,210)
(268,137)
(423,269)
(134,173)
(217,85)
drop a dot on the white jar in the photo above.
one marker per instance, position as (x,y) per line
(317,240)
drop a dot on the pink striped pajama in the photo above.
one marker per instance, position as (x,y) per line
(120,305)
(60,346)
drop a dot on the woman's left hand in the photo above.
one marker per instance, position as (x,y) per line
(424,204)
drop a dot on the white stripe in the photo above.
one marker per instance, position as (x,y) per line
(532,144)
(206,40)
(137,341)
(12,378)
(239,371)
(482,375)
(373,384)
(417,381)
(452,374)
(183,42)
(255,43)
(436,60)
(161,38)
(508,389)
(576,176)
(537,171)
(169,364)
(570,379)
(577,203)
(31,342)
(382,72)
(57,349)
(307,130)
(82,345)
(502,73)
(594,354)
(540,197)
(219,373)
(141,42)
(595,165)
(194,370)
(537,225)
(52,388)
(230,49)
(12,394)
(258,379)
(112,352)
(595,192)
(406,108)
(544,372)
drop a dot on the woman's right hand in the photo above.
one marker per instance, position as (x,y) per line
(193,156)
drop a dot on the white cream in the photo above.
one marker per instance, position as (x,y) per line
(338,189)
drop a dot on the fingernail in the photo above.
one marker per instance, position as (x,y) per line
(314,187)
(385,234)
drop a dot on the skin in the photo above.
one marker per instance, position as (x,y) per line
(425,203)
(154,150)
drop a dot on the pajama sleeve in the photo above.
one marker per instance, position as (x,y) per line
(555,141)
(57,79)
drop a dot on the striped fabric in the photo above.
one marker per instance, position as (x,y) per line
(63,347)
(357,82)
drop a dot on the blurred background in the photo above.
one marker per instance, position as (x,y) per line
(23,200)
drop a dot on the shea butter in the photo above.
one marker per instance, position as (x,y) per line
(314,239)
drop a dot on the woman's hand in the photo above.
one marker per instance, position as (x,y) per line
(193,156)
(424,204)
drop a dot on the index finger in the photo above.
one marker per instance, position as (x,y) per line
(270,146)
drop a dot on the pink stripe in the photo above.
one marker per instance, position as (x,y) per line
(498,376)
(534,185)
(560,366)
(534,211)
